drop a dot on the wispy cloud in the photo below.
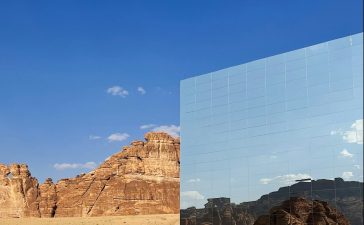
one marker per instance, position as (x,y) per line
(172,130)
(118,91)
(337,132)
(346,154)
(354,135)
(94,137)
(147,126)
(194,180)
(347,175)
(287,179)
(192,195)
(141,90)
(65,166)
(118,137)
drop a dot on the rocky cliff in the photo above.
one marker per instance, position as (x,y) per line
(328,199)
(228,214)
(345,196)
(300,211)
(143,178)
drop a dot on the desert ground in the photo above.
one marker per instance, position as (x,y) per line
(122,220)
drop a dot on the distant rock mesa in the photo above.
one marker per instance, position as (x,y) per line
(141,179)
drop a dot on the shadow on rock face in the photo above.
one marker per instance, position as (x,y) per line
(299,211)
(142,178)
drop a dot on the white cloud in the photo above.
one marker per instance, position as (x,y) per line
(94,137)
(118,137)
(354,135)
(346,154)
(287,179)
(194,180)
(266,180)
(141,90)
(118,91)
(192,195)
(347,175)
(172,130)
(335,132)
(147,126)
(65,166)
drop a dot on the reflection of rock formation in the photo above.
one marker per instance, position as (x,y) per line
(345,196)
(141,179)
(300,211)
(217,211)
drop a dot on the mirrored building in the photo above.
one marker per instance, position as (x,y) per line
(276,141)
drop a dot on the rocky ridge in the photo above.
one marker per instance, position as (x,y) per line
(334,201)
(300,211)
(143,178)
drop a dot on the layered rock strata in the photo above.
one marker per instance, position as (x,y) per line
(143,178)
(300,211)
(334,201)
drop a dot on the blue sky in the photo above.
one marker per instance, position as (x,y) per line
(58,60)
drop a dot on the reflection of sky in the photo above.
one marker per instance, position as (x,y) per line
(250,129)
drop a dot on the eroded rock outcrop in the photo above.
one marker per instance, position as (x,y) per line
(300,211)
(141,179)
(18,192)
(217,211)
(345,201)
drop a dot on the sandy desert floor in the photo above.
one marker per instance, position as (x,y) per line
(122,220)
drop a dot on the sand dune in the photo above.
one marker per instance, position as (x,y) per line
(122,220)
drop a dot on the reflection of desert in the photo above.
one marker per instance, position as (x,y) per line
(132,220)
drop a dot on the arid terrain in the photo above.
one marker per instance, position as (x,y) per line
(137,185)
(164,219)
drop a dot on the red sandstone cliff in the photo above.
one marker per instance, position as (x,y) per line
(141,179)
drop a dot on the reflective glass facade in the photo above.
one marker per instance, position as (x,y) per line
(273,132)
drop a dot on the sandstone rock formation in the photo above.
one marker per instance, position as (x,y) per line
(346,199)
(295,211)
(18,192)
(141,179)
(299,211)
(217,211)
